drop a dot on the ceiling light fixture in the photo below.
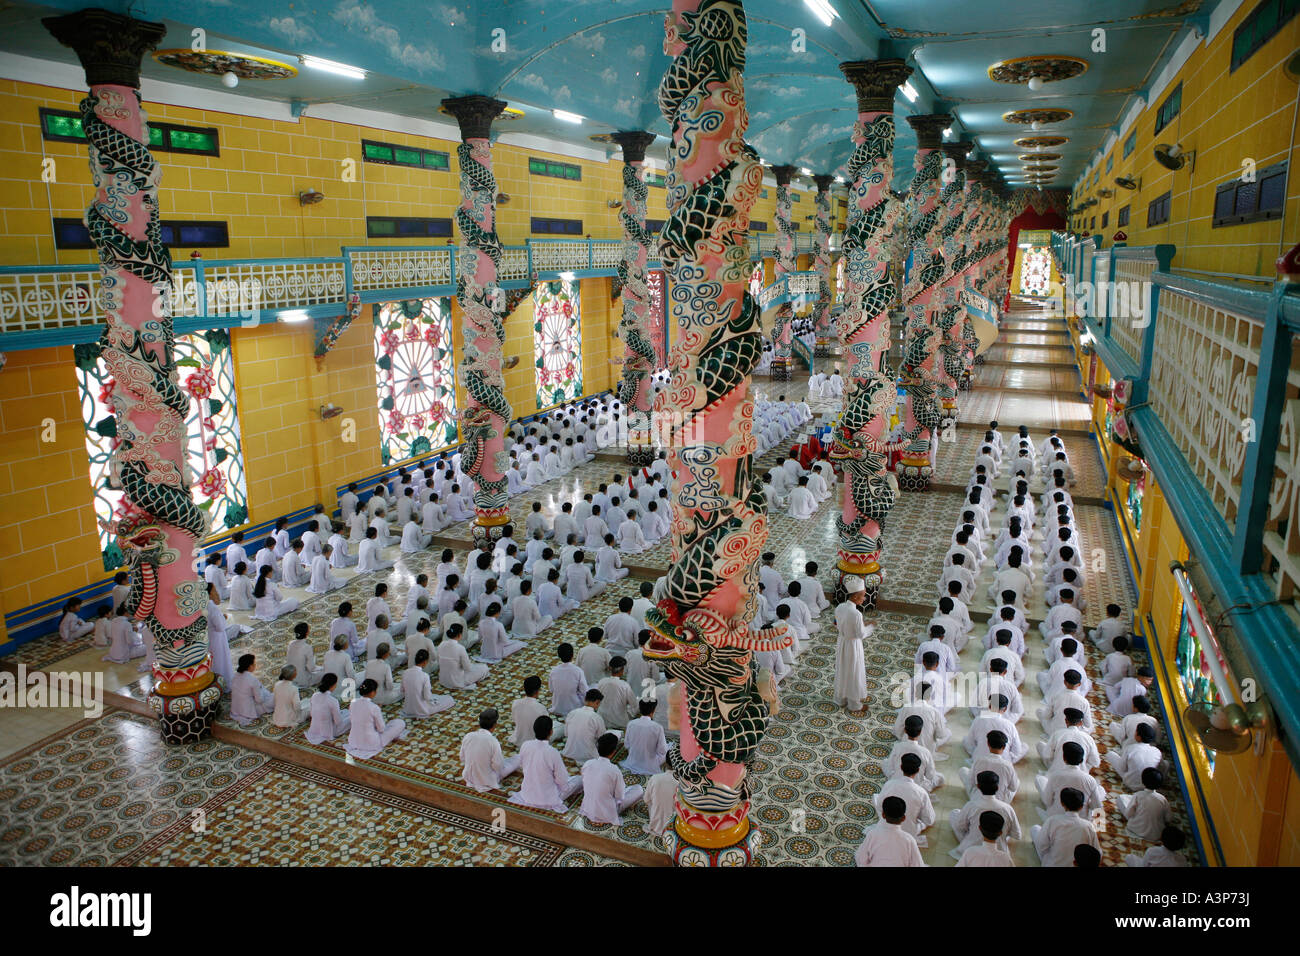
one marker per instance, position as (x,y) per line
(566,116)
(1035,83)
(567,276)
(947,134)
(910,91)
(294,315)
(825,12)
(805,170)
(329,66)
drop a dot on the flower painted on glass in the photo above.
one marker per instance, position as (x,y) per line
(106,392)
(201,383)
(569,370)
(213,482)
(388,342)
(395,420)
(433,335)
(437,411)
(411,332)
(416,421)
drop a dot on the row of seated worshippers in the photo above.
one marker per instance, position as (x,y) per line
(825,388)
(1071,798)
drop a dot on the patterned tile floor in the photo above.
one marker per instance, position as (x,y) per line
(813,779)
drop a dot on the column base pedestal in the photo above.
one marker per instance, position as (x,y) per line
(738,846)
(187,718)
(781,371)
(914,474)
(488,527)
(871,572)
(641,456)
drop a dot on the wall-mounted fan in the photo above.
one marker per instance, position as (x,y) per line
(1127,182)
(1173,156)
(1105,193)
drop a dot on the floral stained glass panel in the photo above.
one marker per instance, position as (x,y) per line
(1035,272)
(557,342)
(206,371)
(657,319)
(415,377)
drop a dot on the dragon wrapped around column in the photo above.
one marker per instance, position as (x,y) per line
(858,445)
(783,318)
(921,341)
(958,245)
(157,524)
(633,328)
(482,302)
(822,265)
(700,630)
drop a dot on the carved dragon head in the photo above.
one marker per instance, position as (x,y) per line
(672,638)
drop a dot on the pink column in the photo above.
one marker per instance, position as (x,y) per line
(639,359)
(869,394)
(927,219)
(782,332)
(487,413)
(705,417)
(158,526)
(822,264)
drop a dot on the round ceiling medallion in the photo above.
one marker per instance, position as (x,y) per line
(1049,69)
(1040,168)
(1036,157)
(1037,116)
(220,62)
(1040,142)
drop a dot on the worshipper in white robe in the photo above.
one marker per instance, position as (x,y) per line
(1064,830)
(455,670)
(965,820)
(293,573)
(580,583)
(1168,852)
(368,556)
(660,798)
(547,785)
(339,554)
(583,727)
(379,671)
(609,565)
(1134,758)
(338,661)
(270,604)
(369,734)
(605,796)
(920,809)
(618,706)
(886,843)
(348,502)
(249,700)
(989,851)
(356,528)
(1114,625)
(71,626)
(414,539)
(212,574)
(621,628)
(528,619)
(289,708)
(496,644)
(322,582)
(241,589)
(458,506)
(480,755)
(631,539)
(235,551)
(218,640)
(818,483)
(647,747)
(1122,694)
(302,656)
(803,504)
(850,688)
(525,711)
(1146,811)
(567,682)
(328,722)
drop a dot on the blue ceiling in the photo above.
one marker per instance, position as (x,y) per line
(603,59)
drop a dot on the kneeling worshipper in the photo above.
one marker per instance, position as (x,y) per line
(290,709)
(249,700)
(547,784)
(328,722)
(604,794)
(480,755)
(455,670)
(803,504)
(369,734)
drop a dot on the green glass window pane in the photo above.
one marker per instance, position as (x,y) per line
(378,151)
(537,167)
(383,227)
(194,139)
(407,157)
(435,160)
(573,172)
(57,125)
(157,137)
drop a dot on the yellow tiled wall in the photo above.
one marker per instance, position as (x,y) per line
(1225,117)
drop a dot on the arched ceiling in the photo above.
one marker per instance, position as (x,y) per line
(603,59)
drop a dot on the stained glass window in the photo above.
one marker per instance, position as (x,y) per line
(1035,271)
(216,460)
(657,320)
(415,376)
(557,342)
(1193,671)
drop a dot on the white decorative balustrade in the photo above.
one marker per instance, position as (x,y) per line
(375,269)
(237,287)
(1129,298)
(1282,528)
(1202,386)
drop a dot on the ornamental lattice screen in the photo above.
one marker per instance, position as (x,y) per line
(206,371)
(415,377)
(557,342)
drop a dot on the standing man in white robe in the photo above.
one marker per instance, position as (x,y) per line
(850,662)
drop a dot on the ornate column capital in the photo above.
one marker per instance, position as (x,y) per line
(634,144)
(929,128)
(474,113)
(823,181)
(109,45)
(784,174)
(875,82)
(957,152)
